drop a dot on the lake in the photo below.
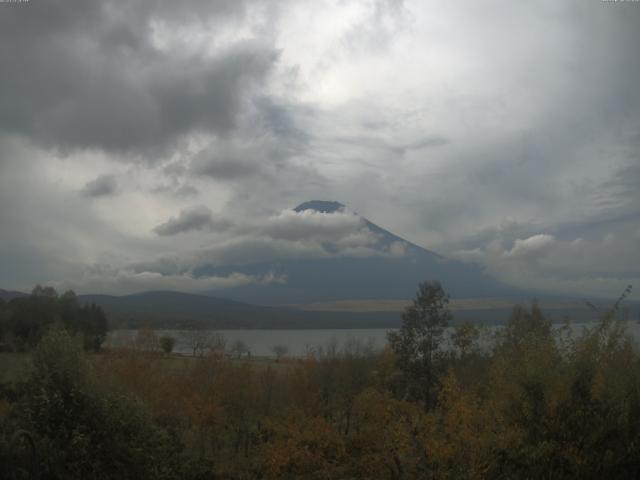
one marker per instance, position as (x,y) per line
(261,342)
(300,342)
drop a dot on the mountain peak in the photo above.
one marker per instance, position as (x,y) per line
(322,206)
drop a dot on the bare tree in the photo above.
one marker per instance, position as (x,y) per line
(218,344)
(280,350)
(146,340)
(239,348)
(199,341)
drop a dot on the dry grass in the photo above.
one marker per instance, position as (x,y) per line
(16,367)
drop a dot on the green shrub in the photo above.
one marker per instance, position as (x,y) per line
(81,429)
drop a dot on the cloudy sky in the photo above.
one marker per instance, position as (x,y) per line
(139,139)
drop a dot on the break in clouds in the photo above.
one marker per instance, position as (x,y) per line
(142,140)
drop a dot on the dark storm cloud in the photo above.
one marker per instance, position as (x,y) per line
(225,167)
(502,132)
(623,189)
(262,149)
(194,218)
(89,75)
(279,118)
(288,235)
(102,186)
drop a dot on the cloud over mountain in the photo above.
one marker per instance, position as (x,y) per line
(156,132)
(194,218)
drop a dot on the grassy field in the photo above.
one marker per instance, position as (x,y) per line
(15,367)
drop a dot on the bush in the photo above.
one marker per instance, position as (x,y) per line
(167,344)
(81,429)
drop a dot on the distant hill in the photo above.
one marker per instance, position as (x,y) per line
(184,310)
(176,310)
(7,295)
(166,309)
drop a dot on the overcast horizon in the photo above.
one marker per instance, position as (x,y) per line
(142,140)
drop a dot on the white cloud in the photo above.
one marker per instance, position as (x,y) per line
(309,224)
(529,246)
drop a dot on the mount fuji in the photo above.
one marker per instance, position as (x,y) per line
(391,269)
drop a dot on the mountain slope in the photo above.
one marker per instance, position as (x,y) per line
(321,206)
(7,295)
(381,275)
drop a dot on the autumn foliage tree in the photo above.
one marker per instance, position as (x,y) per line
(539,400)
(417,343)
(80,429)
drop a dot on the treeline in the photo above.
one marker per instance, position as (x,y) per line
(541,403)
(24,320)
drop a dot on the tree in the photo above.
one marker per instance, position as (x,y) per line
(525,328)
(280,350)
(239,348)
(417,343)
(464,338)
(199,340)
(147,340)
(27,319)
(217,345)
(94,328)
(3,319)
(301,446)
(44,292)
(81,427)
(167,343)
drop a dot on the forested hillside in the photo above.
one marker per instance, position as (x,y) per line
(26,318)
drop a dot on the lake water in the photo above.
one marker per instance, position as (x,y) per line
(261,342)
(301,342)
